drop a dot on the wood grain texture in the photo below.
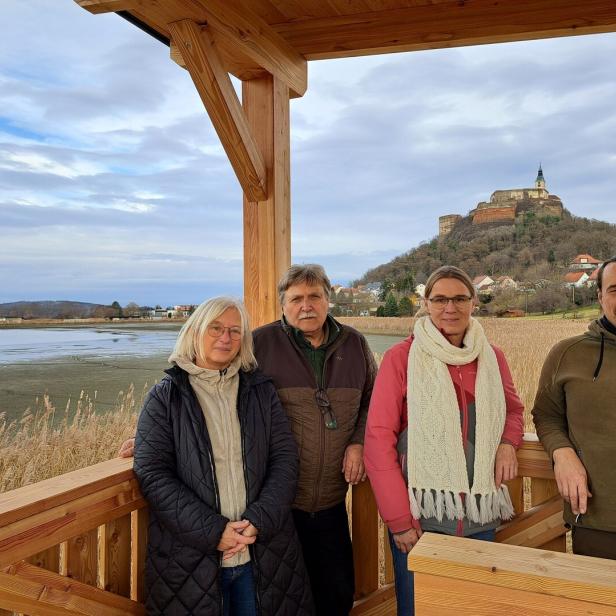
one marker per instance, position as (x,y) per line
(38,592)
(139,539)
(381,602)
(114,556)
(365,522)
(251,35)
(435,596)
(446,24)
(509,566)
(45,495)
(44,530)
(219,98)
(536,527)
(267,223)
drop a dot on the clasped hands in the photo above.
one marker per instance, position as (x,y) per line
(236,537)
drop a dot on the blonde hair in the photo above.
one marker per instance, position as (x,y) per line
(190,339)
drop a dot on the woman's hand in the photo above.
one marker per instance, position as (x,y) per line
(506,464)
(233,536)
(245,531)
(406,540)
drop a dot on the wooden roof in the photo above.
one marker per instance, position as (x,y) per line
(278,36)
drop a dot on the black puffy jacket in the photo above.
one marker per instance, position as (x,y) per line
(175,469)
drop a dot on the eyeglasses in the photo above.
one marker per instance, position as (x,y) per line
(216,331)
(459,301)
(326,409)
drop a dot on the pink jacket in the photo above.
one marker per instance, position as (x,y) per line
(387,417)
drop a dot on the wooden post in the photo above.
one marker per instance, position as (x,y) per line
(365,521)
(267,224)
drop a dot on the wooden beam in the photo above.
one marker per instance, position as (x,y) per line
(365,522)
(39,531)
(45,495)
(38,592)
(217,93)
(435,596)
(533,461)
(256,39)
(267,223)
(448,24)
(236,27)
(510,566)
(381,602)
(535,527)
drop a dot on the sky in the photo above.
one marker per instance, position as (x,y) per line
(114,186)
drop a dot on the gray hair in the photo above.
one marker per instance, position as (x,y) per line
(309,273)
(189,342)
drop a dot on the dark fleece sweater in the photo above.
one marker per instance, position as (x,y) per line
(575,407)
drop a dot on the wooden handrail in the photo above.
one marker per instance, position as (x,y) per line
(42,515)
(100,509)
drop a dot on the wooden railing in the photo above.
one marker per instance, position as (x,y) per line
(75,544)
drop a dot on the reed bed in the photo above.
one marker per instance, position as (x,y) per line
(45,442)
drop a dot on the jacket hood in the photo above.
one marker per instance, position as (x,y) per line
(602,331)
(206,374)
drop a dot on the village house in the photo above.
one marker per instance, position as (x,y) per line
(584,263)
(576,279)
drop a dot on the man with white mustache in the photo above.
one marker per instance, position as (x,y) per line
(323,372)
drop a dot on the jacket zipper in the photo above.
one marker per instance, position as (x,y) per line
(251,550)
(330,352)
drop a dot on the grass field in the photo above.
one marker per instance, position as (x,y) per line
(38,446)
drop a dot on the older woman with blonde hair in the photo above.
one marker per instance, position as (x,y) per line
(443,426)
(217,463)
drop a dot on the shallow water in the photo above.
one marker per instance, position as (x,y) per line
(41,344)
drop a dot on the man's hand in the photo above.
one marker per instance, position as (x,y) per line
(406,540)
(505,464)
(571,479)
(127,450)
(353,464)
(232,540)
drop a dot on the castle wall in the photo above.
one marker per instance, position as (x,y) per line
(494,214)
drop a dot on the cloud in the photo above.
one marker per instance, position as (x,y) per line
(113,182)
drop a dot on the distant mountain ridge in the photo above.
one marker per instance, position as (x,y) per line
(52,309)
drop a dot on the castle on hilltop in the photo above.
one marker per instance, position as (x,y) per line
(506,205)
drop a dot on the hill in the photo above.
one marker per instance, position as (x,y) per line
(53,310)
(535,247)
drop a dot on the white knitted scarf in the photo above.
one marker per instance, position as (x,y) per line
(436,462)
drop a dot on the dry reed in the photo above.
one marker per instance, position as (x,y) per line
(42,444)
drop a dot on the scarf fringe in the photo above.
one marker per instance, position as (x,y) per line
(478,508)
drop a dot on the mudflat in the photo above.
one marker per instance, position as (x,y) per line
(65,378)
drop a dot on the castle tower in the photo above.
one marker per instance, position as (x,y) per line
(540,181)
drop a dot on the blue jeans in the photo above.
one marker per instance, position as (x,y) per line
(405,592)
(237,586)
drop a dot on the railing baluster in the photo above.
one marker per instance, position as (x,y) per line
(114,556)
(139,537)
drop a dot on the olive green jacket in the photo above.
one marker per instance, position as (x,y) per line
(575,407)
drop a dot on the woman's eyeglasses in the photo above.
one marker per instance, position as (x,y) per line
(216,331)
(326,409)
(459,301)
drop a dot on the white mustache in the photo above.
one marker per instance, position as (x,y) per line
(308,315)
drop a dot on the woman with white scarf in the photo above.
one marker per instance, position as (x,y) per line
(443,427)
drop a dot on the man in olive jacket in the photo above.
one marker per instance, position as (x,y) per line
(575,416)
(323,372)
